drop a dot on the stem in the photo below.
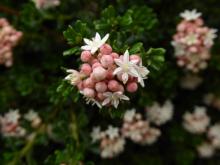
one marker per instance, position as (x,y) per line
(74,128)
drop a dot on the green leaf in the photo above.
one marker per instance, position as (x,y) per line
(72,36)
(155,58)
(71,51)
(136,48)
(127,18)
(108,12)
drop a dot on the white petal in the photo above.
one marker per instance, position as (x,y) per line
(106,101)
(86,47)
(133,72)
(115,103)
(123,97)
(124,77)
(105,38)
(94,49)
(87,41)
(97,37)
(117,71)
(126,56)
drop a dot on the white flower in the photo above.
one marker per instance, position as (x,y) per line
(196,122)
(94,44)
(126,68)
(113,98)
(45,4)
(191,39)
(111,148)
(112,132)
(179,48)
(206,150)
(160,114)
(96,134)
(210,36)
(190,15)
(214,135)
(190,81)
(151,136)
(129,115)
(31,115)
(143,72)
(74,77)
(12,116)
(92,101)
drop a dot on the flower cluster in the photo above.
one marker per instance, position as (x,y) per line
(45,4)
(105,75)
(196,122)
(159,115)
(9,38)
(207,149)
(134,127)
(193,41)
(212,100)
(10,123)
(139,130)
(111,143)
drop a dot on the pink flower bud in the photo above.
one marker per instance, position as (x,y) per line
(95,65)
(99,73)
(121,88)
(100,87)
(199,22)
(135,58)
(86,56)
(106,49)
(93,61)
(106,61)
(114,55)
(100,96)
(193,49)
(113,85)
(110,74)
(86,69)
(132,87)
(88,92)
(180,63)
(181,27)
(88,83)
(80,85)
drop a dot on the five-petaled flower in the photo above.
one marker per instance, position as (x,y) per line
(94,44)
(190,15)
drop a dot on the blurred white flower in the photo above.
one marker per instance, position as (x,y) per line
(190,15)
(45,4)
(33,117)
(206,150)
(210,36)
(94,44)
(214,135)
(112,132)
(96,134)
(160,114)
(196,122)
(190,81)
(129,115)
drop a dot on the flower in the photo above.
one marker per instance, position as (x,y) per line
(96,134)
(160,114)
(126,67)
(12,116)
(191,39)
(196,122)
(210,36)
(92,101)
(94,44)
(143,72)
(112,132)
(190,15)
(33,117)
(113,98)
(214,135)
(74,77)
(190,81)
(129,115)
(206,150)
(45,4)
